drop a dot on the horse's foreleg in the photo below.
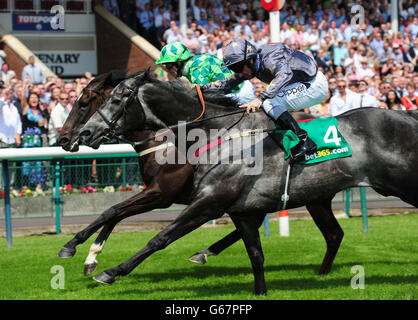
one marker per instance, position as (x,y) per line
(321,212)
(216,248)
(248,227)
(145,201)
(90,264)
(197,213)
(133,206)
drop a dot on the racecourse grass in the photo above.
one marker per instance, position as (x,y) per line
(388,253)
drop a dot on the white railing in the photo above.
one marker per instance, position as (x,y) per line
(50,153)
(26,154)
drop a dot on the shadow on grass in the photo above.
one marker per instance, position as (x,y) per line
(213,287)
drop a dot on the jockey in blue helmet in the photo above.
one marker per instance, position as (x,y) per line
(294,83)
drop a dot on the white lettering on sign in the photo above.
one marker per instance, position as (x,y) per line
(34,19)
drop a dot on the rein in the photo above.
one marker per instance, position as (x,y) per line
(169,128)
(176,126)
(202,102)
(112,124)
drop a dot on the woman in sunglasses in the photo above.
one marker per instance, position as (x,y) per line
(201,69)
(294,83)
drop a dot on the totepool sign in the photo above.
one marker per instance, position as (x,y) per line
(35,22)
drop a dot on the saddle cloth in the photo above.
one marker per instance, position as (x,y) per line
(324,132)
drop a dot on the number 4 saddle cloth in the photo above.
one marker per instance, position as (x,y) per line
(324,132)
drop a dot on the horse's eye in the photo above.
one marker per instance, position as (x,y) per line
(83,105)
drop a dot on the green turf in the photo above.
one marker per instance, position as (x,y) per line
(388,253)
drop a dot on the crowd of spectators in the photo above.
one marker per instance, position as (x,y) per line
(39,104)
(33,110)
(365,62)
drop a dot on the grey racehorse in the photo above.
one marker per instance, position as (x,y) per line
(383,144)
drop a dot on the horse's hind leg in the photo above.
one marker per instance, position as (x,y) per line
(216,248)
(321,212)
(219,246)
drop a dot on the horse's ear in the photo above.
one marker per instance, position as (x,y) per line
(147,72)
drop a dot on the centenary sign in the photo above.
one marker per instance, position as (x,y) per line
(69,63)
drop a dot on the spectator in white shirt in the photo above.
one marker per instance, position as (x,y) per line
(175,35)
(364,70)
(160,15)
(242,27)
(311,38)
(6,74)
(344,100)
(366,99)
(58,116)
(34,72)
(10,121)
(286,33)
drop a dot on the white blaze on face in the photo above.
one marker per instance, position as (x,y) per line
(95,249)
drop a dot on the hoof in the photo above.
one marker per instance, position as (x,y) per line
(104,278)
(66,253)
(323,273)
(199,258)
(90,268)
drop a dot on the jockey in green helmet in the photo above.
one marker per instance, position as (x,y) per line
(200,69)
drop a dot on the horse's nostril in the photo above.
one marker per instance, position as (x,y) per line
(106,130)
(63,141)
(85,133)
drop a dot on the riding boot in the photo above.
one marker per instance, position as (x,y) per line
(287,122)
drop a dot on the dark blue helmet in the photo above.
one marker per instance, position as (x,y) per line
(237,52)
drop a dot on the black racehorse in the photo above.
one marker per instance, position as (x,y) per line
(161,191)
(382,158)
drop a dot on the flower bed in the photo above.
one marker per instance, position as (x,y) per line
(66,190)
(81,201)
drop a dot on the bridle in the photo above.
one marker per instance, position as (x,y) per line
(112,124)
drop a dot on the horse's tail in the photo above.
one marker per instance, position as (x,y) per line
(413,114)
